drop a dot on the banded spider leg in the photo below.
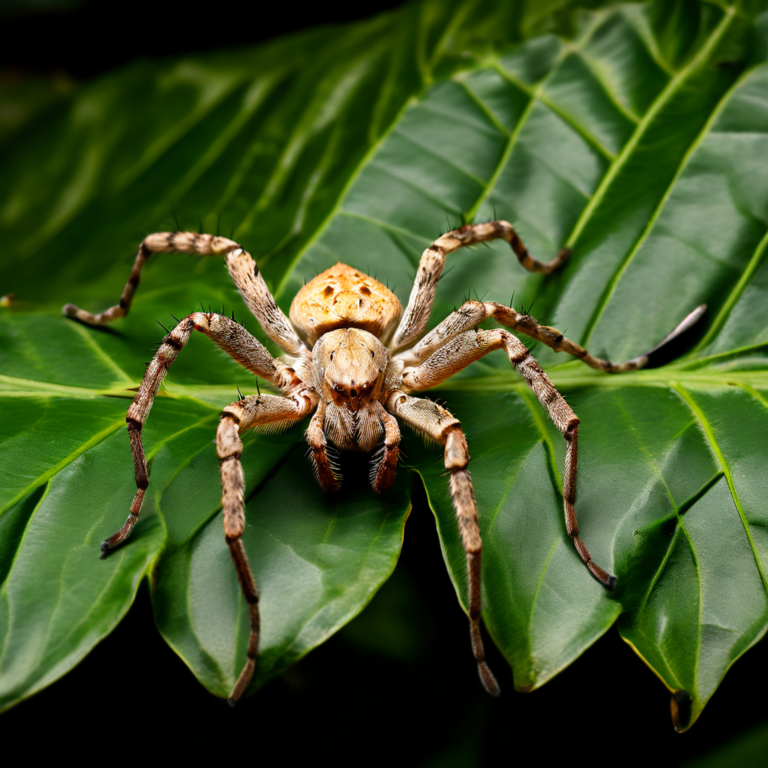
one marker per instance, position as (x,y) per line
(297,403)
(454,344)
(434,421)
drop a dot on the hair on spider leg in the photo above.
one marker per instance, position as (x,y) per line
(375,460)
(162,326)
(445,272)
(310,457)
(524,311)
(176,220)
(258,388)
(240,395)
(333,453)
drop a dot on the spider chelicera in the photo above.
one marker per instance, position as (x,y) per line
(352,358)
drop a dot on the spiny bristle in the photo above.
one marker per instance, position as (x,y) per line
(273,427)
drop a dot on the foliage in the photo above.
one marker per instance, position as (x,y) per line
(637,135)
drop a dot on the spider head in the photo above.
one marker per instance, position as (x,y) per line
(351,363)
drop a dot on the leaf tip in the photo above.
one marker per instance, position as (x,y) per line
(680,707)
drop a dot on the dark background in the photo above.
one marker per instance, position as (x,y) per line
(398,684)
(86,38)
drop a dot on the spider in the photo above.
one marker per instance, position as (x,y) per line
(352,358)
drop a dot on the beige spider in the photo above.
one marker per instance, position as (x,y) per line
(352,358)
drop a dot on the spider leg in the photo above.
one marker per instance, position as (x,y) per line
(384,460)
(243,269)
(236,342)
(468,347)
(432,263)
(437,423)
(472,313)
(235,419)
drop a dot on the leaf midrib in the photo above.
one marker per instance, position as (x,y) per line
(565,377)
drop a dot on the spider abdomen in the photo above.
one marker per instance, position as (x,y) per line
(343,297)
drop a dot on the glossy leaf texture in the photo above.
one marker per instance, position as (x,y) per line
(635,134)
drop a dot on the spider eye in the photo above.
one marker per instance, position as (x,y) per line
(373,354)
(339,388)
(331,356)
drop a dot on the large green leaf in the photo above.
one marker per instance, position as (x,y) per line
(637,134)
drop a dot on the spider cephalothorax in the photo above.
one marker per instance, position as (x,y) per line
(352,358)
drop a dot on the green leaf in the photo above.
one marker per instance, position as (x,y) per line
(635,134)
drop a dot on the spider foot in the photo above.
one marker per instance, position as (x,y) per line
(243,681)
(608,580)
(117,538)
(488,680)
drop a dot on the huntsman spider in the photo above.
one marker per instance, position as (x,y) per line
(352,360)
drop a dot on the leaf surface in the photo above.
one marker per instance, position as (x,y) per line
(637,138)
